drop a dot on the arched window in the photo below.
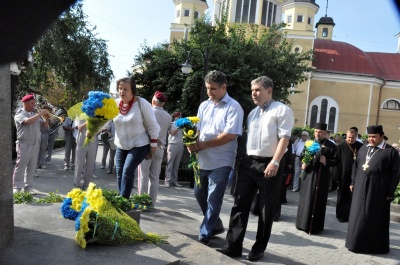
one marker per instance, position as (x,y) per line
(314,114)
(391,104)
(332,118)
(324,110)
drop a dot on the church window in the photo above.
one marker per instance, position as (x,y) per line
(289,19)
(268,14)
(325,110)
(325,32)
(332,118)
(178,13)
(300,18)
(391,104)
(309,21)
(196,14)
(314,114)
(186,13)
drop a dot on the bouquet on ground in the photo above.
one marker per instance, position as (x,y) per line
(311,148)
(97,220)
(190,136)
(96,110)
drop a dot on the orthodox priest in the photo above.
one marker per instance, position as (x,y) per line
(347,154)
(317,159)
(374,179)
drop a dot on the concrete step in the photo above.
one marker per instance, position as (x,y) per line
(42,236)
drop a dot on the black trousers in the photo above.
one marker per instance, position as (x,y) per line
(250,180)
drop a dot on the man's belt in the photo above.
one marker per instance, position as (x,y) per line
(260,157)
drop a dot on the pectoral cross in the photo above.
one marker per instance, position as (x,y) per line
(365,166)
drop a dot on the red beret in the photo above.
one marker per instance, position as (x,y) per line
(160,96)
(176,114)
(28,97)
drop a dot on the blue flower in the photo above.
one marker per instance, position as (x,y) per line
(78,222)
(94,102)
(183,122)
(66,210)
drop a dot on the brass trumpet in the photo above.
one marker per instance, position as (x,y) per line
(56,119)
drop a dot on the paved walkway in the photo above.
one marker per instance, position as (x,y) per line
(178,215)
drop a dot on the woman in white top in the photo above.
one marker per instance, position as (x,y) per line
(131,138)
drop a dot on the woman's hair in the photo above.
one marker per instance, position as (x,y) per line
(131,81)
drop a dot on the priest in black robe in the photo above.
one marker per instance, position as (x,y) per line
(315,183)
(374,179)
(347,154)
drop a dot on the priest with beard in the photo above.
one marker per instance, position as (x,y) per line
(347,154)
(374,180)
(315,183)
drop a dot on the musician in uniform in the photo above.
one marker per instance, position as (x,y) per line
(374,179)
(28,123)
(315,183)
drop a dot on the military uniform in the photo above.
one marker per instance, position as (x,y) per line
(27,146)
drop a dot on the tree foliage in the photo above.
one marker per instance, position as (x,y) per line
(69,60)
(242,51)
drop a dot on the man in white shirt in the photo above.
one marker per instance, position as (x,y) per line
(298,149)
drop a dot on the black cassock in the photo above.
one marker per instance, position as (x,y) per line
(368,230)
(345,166)
(309,202)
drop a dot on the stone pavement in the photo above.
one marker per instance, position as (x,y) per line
(42,236)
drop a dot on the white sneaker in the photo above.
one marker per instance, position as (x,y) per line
(16,190)
(66,167)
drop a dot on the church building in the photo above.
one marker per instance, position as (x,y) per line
(348,87)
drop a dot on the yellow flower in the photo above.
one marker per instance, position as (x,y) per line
(308,143)
(109,110)
(77,196)
(194,119)
(190,133)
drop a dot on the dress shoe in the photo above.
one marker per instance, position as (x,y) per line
(217,231)
(254,256)
(203,240)
(229,253)
(276,218)
(176,184)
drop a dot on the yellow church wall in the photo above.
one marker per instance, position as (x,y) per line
(390,119)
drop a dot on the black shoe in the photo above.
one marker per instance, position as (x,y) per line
(276,218)
(229,253)
(254,256)
(217,231)
(203,240)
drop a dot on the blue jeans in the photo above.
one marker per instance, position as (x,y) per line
(210,197)
(126,162)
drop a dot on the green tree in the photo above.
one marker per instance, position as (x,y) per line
(242,51)
(68,61)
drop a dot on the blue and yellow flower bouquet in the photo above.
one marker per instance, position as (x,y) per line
(98,221)
(190,136)
(98,109)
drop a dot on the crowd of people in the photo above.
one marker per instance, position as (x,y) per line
(258,162)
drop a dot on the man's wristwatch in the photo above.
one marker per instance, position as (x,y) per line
(276,163)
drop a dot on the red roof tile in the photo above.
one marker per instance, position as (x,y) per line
(341,57)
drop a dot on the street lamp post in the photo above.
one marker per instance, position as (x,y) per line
(187,67)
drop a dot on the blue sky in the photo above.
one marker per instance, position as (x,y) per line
(126,24)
